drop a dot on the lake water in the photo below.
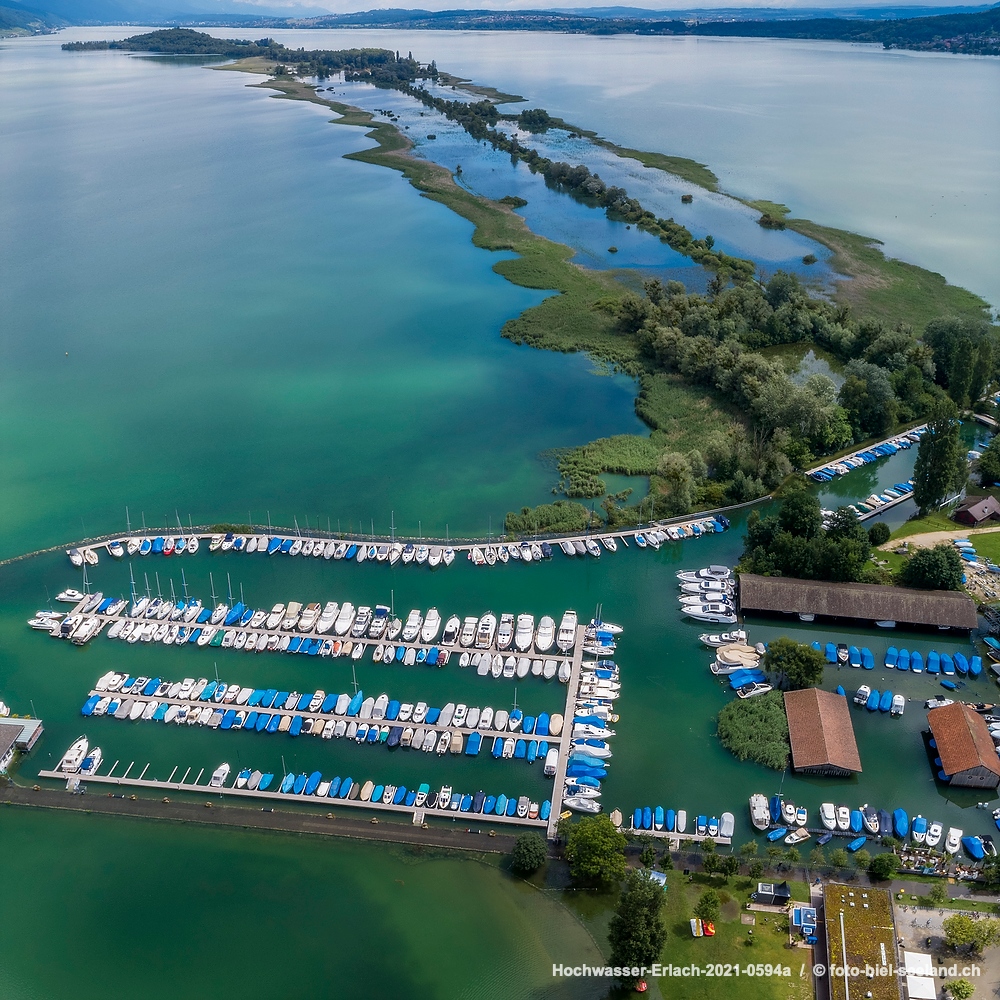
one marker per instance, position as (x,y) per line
(206,309)
(902,146)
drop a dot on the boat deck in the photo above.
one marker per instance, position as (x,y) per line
(572,696)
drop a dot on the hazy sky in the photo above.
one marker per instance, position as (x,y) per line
(350,6)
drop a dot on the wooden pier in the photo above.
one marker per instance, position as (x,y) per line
(572,695)
(162,787)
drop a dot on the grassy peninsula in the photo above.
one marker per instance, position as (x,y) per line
(727,424)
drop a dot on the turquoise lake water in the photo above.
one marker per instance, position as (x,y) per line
(206,310)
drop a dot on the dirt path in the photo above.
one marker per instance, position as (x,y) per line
(932,538)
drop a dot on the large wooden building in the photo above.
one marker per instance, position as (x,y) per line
(865,602)
(821,733)
(965,746)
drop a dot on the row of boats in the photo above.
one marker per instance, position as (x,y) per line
(298,628)
(392,552)
(865,821)
(658,819)
(220,706)
(590,748)
(948,664)
(80,759)
(867,455)
(876,701)
(708,594)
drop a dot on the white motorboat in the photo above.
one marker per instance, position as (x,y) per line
(546,634)
(828,815)
(345,619)
(275,618)
(411,629)
(953,841)
(486,630)
(91,762)
(431,626)
(898,705)
(580,803)
(468,634)
(707,573)
(219,776)
(566,637)
(861,695)
(721,614)
(760,816)
(74,756)
(843,819)
(452,628)
(505,631)
(524,635)
(934,831)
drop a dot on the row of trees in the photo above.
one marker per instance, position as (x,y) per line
(793,542)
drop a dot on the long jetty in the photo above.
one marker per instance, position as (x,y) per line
(418,815)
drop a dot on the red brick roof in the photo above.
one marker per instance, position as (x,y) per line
(820,730)
(963,740)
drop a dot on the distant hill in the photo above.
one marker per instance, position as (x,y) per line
(17,19)
(974,33)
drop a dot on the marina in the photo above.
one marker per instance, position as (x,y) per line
(513,735)
(390,550)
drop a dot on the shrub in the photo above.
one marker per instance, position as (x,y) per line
(528,854)
(878,533)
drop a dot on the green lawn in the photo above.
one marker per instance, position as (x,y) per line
(936,520)
(729,945)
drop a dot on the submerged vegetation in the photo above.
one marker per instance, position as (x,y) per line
(727,424)
(756,729)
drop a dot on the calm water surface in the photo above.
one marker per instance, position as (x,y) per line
(205,308)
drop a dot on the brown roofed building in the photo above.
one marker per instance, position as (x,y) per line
(859,601)
(977,509)
(821,733)
(965,747)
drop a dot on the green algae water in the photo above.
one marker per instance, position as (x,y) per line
(207,311)
(109,910)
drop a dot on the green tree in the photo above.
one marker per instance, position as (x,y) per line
(647,857)
(637,932)
(938,894)
(729,866)
(961,931)
(710,864)
(868,397)
(839,858)
(774,852)
(756,869)
(800,513)
(878,533)
(679,484)
(595,851)
(862,859)
(939,568)
(708,906)
(940,468)
(959,989)
(795,664)
(749,849)
(708,845)
(817,857)
(960,376)
(528,854)
(989,463)
(793,856)
(883,866)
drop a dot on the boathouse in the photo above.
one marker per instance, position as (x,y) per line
(968,757)
(865,602)
(8,739)
(976,510)
(821,733)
